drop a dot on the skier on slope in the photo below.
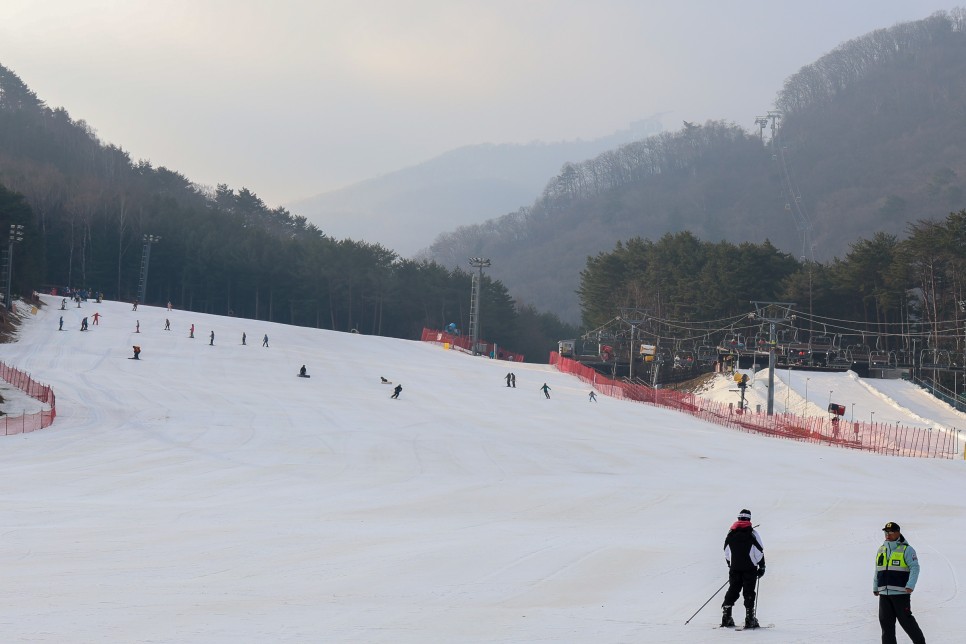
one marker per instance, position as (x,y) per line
(746,563)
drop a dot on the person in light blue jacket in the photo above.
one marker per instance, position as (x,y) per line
(896,574)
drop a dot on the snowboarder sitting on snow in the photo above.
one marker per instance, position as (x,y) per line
(302,373)
(746,562)
(137,352)
(384,381)
(395,392)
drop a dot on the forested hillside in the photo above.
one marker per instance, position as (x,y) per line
(882,286)
(86,207)
(870,139)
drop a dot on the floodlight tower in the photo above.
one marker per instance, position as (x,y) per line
(479,263)
(145,259)
(16,236)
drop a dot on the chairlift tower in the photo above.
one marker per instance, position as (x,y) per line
(479,263)
(635,318)
(773,313)
(762,123)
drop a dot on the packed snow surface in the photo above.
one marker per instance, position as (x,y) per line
(204,493)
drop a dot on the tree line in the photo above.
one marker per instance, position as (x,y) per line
(86,208)
(883,286)
(855,60)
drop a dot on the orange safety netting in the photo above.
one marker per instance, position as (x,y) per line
(462,342)
(37,391)
(882,438)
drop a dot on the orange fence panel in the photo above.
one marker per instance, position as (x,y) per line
(37,391)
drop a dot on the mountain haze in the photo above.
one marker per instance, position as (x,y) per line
(86,210)
(869,138)
(405,210)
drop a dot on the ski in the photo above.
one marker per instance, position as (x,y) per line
(742,627)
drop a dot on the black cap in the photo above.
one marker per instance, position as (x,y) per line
(744,515)
(891,527)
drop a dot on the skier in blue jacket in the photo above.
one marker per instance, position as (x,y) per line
(896,573)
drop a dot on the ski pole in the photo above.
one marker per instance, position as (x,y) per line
(757,585)
(706,603)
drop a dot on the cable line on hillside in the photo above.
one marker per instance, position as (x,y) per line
(795,205)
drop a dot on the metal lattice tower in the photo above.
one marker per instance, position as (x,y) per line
(479,263)
(16,236)
(5,275)
(145,260)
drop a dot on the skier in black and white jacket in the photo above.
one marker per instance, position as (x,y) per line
(746,563)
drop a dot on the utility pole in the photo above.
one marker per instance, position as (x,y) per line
(479,263)
(762,309)
(16,236)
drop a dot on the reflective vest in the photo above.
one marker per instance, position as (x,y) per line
(891,571)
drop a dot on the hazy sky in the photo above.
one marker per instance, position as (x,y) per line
(292,98)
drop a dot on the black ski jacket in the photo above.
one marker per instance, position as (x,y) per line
(742,547)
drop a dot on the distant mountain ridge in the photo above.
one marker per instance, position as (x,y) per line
(872,139)
(407,209)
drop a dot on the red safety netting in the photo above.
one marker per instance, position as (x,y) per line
(466,344)
(37,391)
(882,438)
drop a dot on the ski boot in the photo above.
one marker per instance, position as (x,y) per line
(726,618)
(750,620)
